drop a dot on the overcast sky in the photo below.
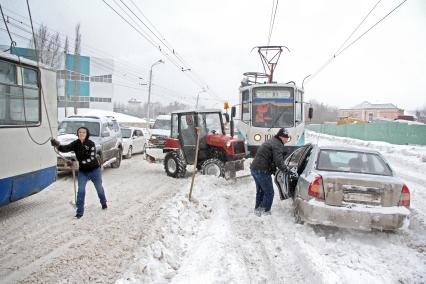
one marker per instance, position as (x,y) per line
(388,65)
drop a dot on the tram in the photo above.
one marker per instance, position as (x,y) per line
(267,106)
(28,100)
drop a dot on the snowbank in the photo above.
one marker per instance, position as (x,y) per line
(218,239)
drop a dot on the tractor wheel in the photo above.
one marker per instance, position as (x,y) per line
(174,165)
(214,167)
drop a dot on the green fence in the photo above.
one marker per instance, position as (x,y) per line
(387,131)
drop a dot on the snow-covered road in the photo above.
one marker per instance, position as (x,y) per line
(152,234)
(41,242)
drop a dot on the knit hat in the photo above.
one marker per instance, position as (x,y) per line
(282,133)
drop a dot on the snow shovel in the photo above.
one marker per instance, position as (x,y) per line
(198,129)
(73,167)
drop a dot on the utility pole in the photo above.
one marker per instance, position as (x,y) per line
(149,88)
(198,97)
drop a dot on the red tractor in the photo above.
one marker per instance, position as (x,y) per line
(218,154)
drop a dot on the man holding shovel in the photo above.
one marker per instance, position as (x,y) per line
(89,168)
(270,155)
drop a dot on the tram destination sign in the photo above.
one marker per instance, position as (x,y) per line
(272,94)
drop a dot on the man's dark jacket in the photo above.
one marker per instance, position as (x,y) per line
(85,153)
(269,156)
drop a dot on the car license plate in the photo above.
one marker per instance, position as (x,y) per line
(362,198)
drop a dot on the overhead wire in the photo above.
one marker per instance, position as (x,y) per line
(126,84)
(341,50)
(195,77)
(12,42)
(92,51)
(272,19)
(100,66)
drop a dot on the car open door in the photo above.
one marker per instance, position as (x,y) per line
(295,163)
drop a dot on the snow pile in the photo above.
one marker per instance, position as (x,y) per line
(160,260)
(218,239)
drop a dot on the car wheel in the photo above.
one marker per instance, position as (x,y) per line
(129,153)
(174,165)
(117,162)
(214,167)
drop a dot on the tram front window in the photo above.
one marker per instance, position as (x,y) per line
(273,107)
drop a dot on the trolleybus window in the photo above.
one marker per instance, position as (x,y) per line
(273,107)
(13,95)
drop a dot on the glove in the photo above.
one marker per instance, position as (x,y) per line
(293,173)
(54,142)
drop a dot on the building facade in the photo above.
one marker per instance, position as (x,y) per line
(367,111)
(82,81)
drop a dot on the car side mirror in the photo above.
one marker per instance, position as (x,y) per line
(310,113)
(105,134)
(233,111)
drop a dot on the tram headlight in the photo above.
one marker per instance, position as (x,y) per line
(257,137)
(228,144)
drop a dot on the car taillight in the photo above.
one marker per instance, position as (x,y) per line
(316,189)
(404,200)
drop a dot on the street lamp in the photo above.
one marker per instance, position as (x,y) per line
(149,88)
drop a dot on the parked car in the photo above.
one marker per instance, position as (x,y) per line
(104,131)
(135,140)
(160,131)
(344,187)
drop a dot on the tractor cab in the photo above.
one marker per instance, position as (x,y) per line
(218,154)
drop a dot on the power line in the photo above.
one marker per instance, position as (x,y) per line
(102,67)
(272,19)
(168,46)
(357,27)
(92,50)
(12,43)
(340,51)
(378,22)
(195,77)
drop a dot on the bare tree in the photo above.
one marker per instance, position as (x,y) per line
(77,44)
(48,47)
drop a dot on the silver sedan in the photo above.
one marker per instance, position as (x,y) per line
(344,187)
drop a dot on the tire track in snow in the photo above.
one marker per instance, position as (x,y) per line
(49,229)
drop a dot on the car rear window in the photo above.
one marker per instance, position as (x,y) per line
(162,124)
(70,127)
(126,132)
(353,162)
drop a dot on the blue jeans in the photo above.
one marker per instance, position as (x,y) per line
(264,189)
(96,177)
